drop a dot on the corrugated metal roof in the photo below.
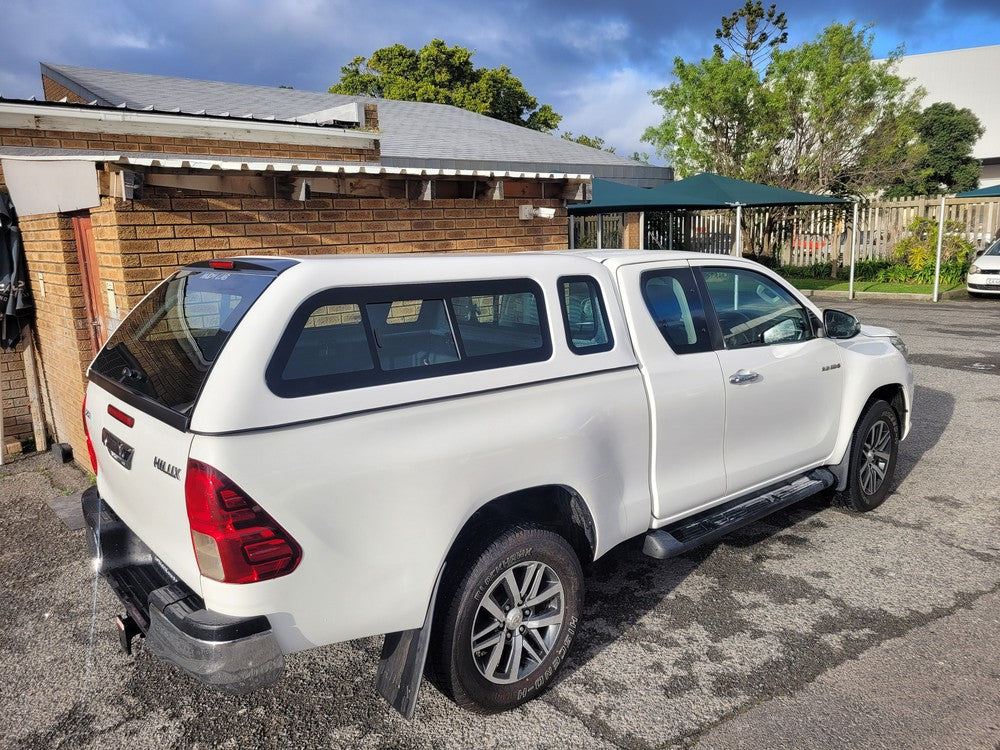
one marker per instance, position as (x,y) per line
(413,134)
(238,164)
(317,119)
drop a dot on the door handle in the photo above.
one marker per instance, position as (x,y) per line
(744,376)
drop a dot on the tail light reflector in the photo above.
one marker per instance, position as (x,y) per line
(86,434)
(235,540)
(121,416)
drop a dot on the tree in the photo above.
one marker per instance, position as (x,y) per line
(444,75)
(947,136)
(588,140)
(823,116)
(758,34)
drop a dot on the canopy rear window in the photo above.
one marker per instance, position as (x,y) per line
(166,346)
(349,338)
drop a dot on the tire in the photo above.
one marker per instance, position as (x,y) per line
(874,449)
(525,564)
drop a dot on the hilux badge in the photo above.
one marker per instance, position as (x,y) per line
(168,469)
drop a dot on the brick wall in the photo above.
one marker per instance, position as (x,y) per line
(140,242)
(14,399)
(55,92)
(63,346)
(631,231)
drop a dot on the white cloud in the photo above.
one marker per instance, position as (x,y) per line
(615,106)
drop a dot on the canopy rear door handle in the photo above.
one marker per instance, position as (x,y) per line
(744,376)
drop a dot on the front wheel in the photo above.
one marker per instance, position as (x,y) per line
(508,625)
(873,457)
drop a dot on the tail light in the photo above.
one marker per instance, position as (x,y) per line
(235,540)
(86,434)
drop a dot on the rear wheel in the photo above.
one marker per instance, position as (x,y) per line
(508,622)
(873,457)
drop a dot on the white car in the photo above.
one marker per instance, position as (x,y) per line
(292,452)
(984,275)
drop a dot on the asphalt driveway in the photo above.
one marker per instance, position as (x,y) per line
(814,628)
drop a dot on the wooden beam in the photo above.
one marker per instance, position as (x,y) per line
(211,183)
(364,187)
(522,189)
(34,392)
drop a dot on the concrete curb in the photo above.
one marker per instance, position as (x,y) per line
(839,294)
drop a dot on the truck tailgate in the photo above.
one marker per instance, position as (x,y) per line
(141,471)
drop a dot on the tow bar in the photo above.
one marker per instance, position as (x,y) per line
(128,629)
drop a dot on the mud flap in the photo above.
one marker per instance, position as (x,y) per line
(401,664)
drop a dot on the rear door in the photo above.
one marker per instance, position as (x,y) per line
(684,383)
(144,385)
(783,384)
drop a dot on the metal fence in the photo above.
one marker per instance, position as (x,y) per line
(804,235)
(597,232)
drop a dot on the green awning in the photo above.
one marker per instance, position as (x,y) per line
(702,191)
(608,197)
(709,190)
(993,191)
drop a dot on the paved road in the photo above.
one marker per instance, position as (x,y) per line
(816,628)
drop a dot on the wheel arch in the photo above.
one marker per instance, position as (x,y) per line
(893,394)
(559,508)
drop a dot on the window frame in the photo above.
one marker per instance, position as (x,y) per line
(599,293)
(362,296)
(715,326)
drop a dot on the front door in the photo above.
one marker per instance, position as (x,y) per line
(783,384)
(90,279)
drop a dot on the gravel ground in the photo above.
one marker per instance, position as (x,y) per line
(814,628)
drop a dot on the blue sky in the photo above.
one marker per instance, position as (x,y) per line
(594,62)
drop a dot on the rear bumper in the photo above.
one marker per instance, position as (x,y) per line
(234,654)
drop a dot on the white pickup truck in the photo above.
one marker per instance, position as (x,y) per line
(292,452)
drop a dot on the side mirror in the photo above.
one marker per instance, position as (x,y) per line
(840,325)
(980,251)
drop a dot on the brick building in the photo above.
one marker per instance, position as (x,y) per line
(117,187)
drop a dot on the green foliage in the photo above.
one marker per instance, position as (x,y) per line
(865,270)
(947,137)
(588,140)
(444,75)
(715,120)
(913,259)
(812,271)
(758,33)
(918,250)
(823,116)
(640,156)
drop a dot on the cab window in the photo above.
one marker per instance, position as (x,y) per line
(754,310)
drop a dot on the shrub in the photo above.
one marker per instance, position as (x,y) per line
(812,271)
(918,250)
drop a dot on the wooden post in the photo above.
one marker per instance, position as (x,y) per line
(34,392)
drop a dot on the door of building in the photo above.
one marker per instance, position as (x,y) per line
(90,279)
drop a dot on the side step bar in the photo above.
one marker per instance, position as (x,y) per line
(688,533)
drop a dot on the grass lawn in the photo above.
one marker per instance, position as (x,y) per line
(870,286)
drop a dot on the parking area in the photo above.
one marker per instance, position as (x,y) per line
(814,628)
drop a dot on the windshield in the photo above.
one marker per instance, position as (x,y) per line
(168,343)
(993,249)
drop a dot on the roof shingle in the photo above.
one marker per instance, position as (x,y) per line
(412,133)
